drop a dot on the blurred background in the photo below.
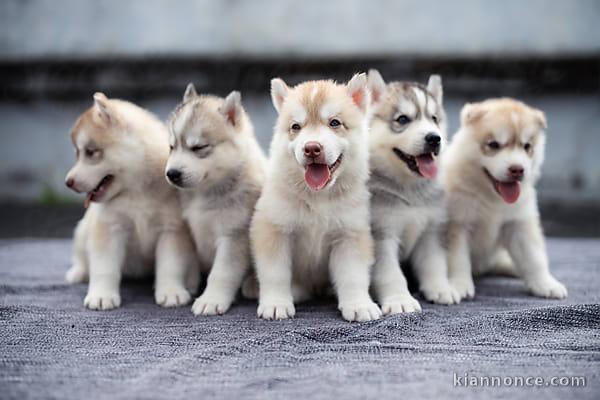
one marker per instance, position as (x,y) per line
(54,54)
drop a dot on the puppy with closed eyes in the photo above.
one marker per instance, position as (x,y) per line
(489,172)
(408,133)
(311,225)
(218,167)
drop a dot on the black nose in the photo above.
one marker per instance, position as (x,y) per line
(174,175)
(432,142)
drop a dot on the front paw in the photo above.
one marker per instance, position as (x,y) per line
(174,296)
(361,311)
(102,300)
(441,293)
(399,304)
(464,287)
(547,287)
(76,274)
(276,309)
(211,305)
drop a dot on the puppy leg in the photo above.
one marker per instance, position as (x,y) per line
(250,287)
(431,269)
(78,273)
(389,284)
(349,265)
(459,262)
(229,268)
(525,242)
(272,254)
(174,257)
(107,255)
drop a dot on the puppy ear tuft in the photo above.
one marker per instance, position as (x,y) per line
(279,91)
(232,108)
(540,118)
(376,85)
(359,91)
(102,105)
(434,86)
(190,92)
(471,112)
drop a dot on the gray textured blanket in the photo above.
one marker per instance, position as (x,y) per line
(51,347)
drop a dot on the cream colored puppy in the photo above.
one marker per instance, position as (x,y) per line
(133,225)
(408,133)
(489,172)
(219,168)
(311,226)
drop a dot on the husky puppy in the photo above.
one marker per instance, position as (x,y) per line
(219,167)
(408,132)
(311,225)
(489,172)
(133,222)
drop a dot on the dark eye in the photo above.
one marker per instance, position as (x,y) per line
(199,147)
(493,145)
(334,123)
(434,118)
(403,119)
(171,147)
(527,146)
(296,126)
(90,152)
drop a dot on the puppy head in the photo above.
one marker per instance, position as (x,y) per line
(205,139)
(408,127)
(104,149)
(507,142)
(320,132)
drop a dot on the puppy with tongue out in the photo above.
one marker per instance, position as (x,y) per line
(311,228)
(490,172)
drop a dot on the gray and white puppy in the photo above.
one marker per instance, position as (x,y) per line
(408,132)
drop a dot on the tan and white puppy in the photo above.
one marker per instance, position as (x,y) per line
(133,225)
(311,226)
(219,168)
(490,171)
(408,132)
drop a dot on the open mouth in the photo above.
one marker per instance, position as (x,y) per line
(99,191)
(509,190)
(423,165)
(318,175)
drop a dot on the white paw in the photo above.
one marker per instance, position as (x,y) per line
(76,274)
(441,293)
(211,305)
(464,287)
(172,296)
(400,304)
(361,312)
(102,300)
(276,309)
(547,287)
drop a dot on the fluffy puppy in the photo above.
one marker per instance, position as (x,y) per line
(311,225)
(133,225)
(408,132)
(489,172)
(218,167)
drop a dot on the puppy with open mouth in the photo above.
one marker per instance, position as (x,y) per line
(311,225)
(490,171)
(218,167)
(408,132)
(133,225)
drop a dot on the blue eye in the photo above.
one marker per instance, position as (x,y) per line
(334,123)
(403,120)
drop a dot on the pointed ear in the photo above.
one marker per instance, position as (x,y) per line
(434,86)
(540,118)
(279,91)
(472,112)
(376,85)
(232,108)
(103,107)
(357,89)
(190,92)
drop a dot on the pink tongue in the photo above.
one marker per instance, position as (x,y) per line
(317,176)
(426,165)
(88,200)
(508,190)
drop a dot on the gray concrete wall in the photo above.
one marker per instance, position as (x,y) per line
(66,29)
